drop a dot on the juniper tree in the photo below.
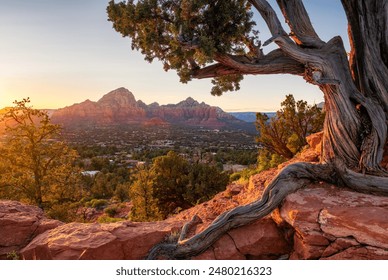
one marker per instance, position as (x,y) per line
(218,40)
(284,135)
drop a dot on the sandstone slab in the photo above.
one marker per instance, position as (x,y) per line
(331,222)
(19,224)
(113,241)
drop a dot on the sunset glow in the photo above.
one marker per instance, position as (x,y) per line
(60,53)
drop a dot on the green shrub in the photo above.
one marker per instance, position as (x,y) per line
(66,212)
(99,204)
(122,192)
(244,175)
(106,219)
(13,255)
(235,176)
(172,184)
(111,211)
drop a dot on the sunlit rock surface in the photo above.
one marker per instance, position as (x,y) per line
(19,224)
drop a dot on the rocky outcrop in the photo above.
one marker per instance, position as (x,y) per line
(260,240)
(113,241)
(119,107)
(318,222)
(19,224)
(334,223)
(315,141)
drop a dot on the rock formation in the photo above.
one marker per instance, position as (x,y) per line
(19,224)
(119,107)
(113,241)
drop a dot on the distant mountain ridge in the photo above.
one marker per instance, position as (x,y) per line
(249,117)
(119,107)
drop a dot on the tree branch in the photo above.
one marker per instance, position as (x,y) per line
(302,31)
(280,37)
(269,16)
(276,62)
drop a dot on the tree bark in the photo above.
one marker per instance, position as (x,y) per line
(368,30)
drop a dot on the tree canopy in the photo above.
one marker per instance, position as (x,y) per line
(188,35)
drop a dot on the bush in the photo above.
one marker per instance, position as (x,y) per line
(13,256)
(66,212)
(106,219)
(122,192)
(244,175)
(99,204)
(235,176)
(111,211)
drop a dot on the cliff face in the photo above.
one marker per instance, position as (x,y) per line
(320,221)
(120,107)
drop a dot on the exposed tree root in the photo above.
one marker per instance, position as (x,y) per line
(363,182)
(289,180)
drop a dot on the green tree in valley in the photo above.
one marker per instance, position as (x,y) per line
(204,182)
(172,184)
(35,168)
(171,179)
(145,203)
(284,135)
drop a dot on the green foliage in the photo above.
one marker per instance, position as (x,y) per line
(186,34)
(65,212)
(13,256)
(244,157)
(97,203)
(225,83)
(285,134)
(99,163)
(113,180)
(235,176)
(205,181)
(111,211)
(171,183)
(145,204)
(107,184)
(171,178)
(122,192)
(263,160)
(36,168)
(149,154)
(106,219)
(244,175)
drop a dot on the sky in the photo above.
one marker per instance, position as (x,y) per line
(59,52)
